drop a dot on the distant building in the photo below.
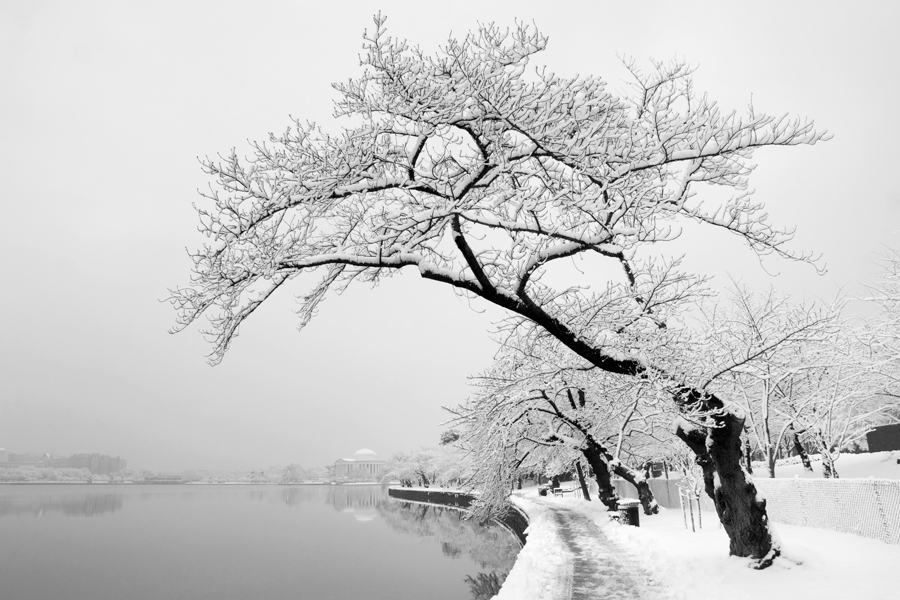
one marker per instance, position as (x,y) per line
(98,464)
(22,460)
(886,437)
(364,463)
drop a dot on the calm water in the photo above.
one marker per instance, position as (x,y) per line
(249,542)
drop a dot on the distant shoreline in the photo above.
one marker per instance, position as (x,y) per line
(328,483)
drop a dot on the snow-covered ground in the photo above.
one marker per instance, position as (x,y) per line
(817,563)
(880,465)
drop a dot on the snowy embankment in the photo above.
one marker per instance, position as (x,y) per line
(544,565)
(880,465)
(817,563)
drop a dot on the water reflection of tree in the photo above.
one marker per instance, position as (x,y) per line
(450,550)
(485,586)
(491,546)
(86,505)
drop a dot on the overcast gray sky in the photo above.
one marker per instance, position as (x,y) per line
(104,108)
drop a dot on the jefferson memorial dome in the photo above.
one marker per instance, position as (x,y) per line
(364,464)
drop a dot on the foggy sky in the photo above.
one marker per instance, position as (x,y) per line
(105,107)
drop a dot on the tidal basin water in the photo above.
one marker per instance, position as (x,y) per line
(157,542)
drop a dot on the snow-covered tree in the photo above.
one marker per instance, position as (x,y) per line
(558,409)
(886,293)
(883,332)
(294,473)
(482,174)
(449,436)
(758,349)
(439,466)
(843,394)
(798,370)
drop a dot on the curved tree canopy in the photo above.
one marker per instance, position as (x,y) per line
(479,170)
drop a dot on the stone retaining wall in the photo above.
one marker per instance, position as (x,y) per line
(514,520)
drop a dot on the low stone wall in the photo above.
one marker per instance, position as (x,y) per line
(514,520)
(443,497)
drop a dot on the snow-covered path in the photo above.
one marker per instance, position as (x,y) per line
(574,550)
(600,570)
(569,557)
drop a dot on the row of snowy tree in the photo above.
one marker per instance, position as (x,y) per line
(275,474)
(34,474)
(806,376)
(803,374)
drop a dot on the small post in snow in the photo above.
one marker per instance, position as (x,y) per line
(691,509)
(682,495)
(699,514)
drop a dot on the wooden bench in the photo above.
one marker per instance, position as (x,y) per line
(564,491)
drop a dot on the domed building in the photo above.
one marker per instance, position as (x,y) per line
(364,464)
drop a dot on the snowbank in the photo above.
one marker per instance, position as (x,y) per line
(880,465)
(816,563)
(543,569)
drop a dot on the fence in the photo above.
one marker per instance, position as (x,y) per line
(865,507)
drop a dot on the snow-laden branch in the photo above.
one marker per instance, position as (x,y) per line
(481,174)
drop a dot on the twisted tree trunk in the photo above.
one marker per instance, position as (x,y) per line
(718,450)
(799,449)
(597,459)
(582,482)
(639,481)
(829,471)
